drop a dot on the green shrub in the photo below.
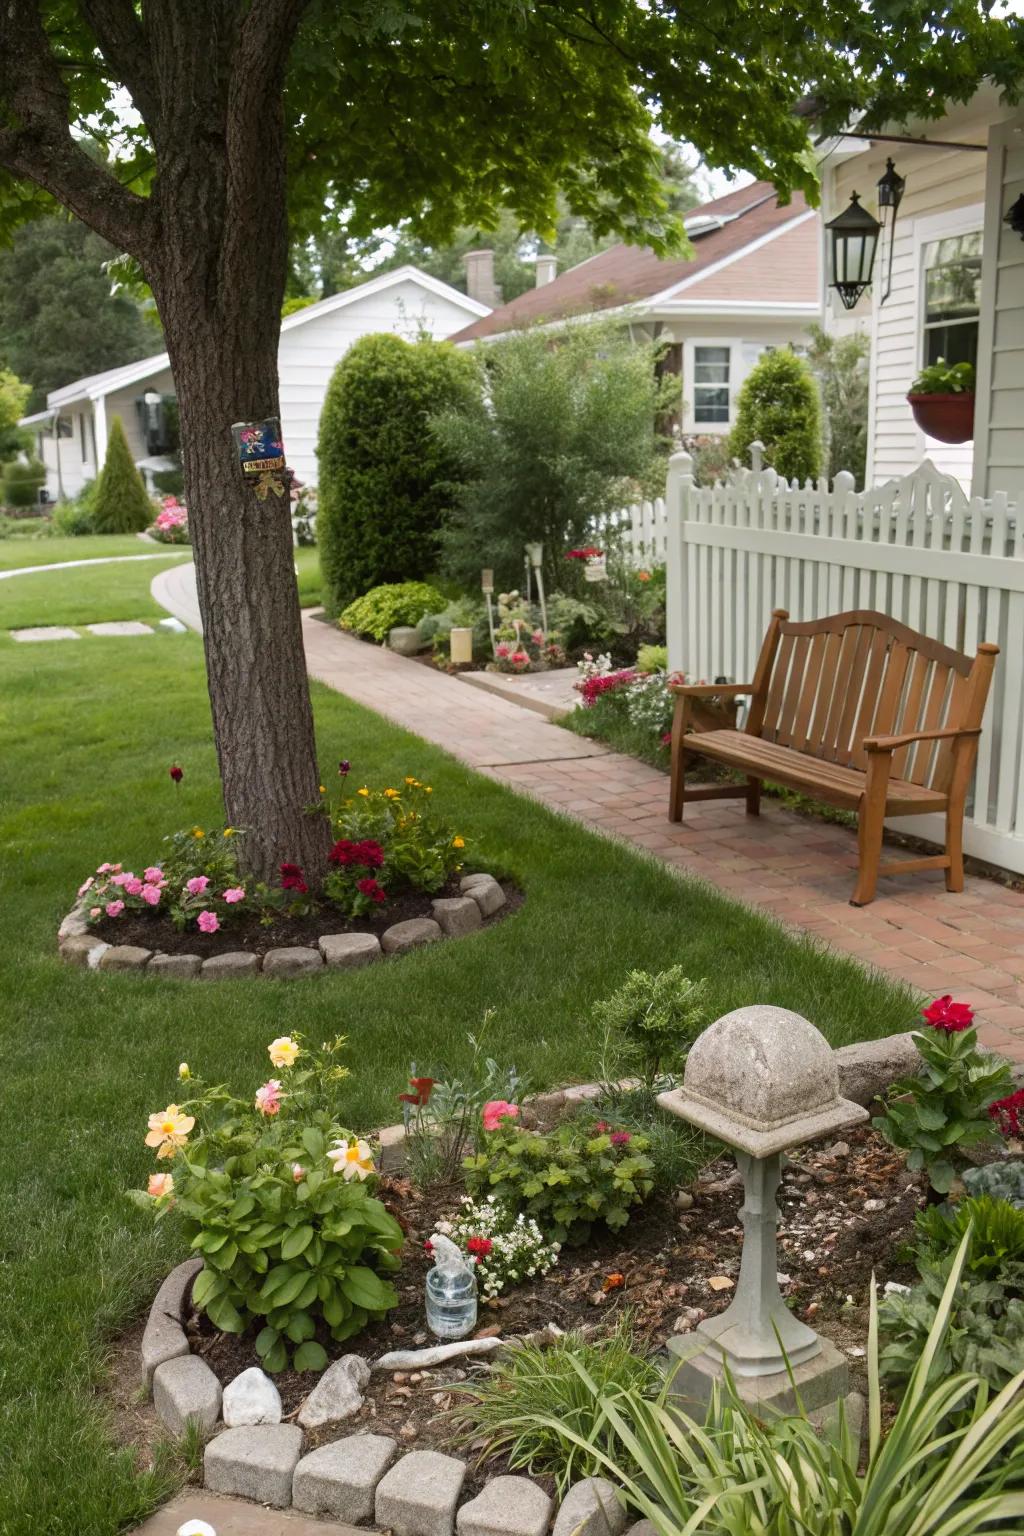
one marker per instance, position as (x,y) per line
(997,1235)
(566,1179)
(121,504)
(842,367)
(779,405)
(533,1407)
(652,658)
(651,1021)
(386,486)
(382,608)
(464,613)
(76,517)
(677,1151)
(1005,1181)
(22,480)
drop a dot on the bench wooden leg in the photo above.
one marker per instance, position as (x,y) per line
(955,848)
(870,827)
(677,789)
(753,797)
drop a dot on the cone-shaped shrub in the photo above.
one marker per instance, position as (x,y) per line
(779,406)
(121,504)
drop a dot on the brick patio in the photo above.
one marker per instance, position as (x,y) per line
(797,868)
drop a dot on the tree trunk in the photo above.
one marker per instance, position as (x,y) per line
(223,352)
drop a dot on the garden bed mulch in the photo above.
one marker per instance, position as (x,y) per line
(843,1215)
(153,930)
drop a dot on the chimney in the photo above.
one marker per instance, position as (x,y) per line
(480,278)
(547,269)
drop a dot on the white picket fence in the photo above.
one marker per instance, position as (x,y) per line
(917,549)
(640,530)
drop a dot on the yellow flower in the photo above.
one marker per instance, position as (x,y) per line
(458,842)
(323,790)
(391,794)
(283,1051)
(363,791)
(229,831)
(183,1071)
(410,781)
(198,832)
(352,1159)
(427,789)
(169,1130)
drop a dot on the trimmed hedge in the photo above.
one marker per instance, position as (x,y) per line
(779,405)
(385,488)
(21,482)
(121,504)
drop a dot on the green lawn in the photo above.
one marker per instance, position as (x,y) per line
(86,594)
(23,551)
(89,731)
(307,564)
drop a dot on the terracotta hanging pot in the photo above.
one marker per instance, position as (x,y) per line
(950,418)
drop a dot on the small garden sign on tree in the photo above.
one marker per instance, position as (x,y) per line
(253,121)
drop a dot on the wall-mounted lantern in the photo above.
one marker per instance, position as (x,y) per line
(1015,216)
(890,195)
(853,241)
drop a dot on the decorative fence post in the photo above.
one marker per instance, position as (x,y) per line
(678,490)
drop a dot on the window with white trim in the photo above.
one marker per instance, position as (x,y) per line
(952,299)
(710,390)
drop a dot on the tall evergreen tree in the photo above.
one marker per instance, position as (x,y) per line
(121,504)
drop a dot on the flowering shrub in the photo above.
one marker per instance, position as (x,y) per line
(170,526)
(441,1113)
(650,702)
(390,840)
(277,1199)
(508,1248)
(946,1107)
(1008,1114)
(566,1179)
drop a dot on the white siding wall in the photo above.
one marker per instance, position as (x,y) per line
(999,419)
(76,467)
(310,352)
(746,339)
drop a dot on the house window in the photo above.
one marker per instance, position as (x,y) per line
(711,386)
(952,290)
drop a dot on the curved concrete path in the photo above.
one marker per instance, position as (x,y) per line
(175,590)
(166,553)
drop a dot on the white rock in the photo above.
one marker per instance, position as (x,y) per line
(874,1205)
(338,1394)
(421,1359)
(251,1398)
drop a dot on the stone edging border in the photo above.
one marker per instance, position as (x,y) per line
(453,917)
(357,1478)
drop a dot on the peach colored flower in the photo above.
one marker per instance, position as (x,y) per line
(298,1172)
(169,1130)
(497,1110)
(352,1159)
(283,1051)
(183,1071)
(95,911)
(268,1098)
(84,886)
(160,1184)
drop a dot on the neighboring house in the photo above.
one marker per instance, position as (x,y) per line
(957,288)
(752,283)
(72,431)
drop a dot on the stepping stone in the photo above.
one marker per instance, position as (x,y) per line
(121,627)
(45,632)
(508,1506)
(341,1478)
(173,626)
(419,1496)
(237,1517)
(256,1462)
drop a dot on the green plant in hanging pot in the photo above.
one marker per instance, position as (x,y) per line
(942,400)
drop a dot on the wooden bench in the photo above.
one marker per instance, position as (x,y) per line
(856,710)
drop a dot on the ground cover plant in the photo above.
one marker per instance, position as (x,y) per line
(88,1056)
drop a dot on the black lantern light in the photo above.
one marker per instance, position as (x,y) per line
(853,240)
(1015,216)
(890,195)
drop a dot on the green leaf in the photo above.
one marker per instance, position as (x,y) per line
(314,1142)
(265,1341)
(224,1315)
(310,1357)
(300,1328)
(206,1285)
(277,1358)
(297,1241)
(365,1289)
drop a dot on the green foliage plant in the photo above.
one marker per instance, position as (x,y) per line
(934,1116)
(396,836)
(942,378)
(566,1179)
(779,406)
(383,608)
(997,1236)
(536,1411)
(1004,1181)
(655,1018)
(121,504)
(952,1461)
(76,517)
(21,482)
(841,366)
(277,1198)
(652,658)
(985,1334)
(386,485)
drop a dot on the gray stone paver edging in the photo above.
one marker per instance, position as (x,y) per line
(454,917)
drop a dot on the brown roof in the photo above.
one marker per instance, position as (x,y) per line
(627,274)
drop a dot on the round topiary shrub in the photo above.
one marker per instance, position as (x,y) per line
(779,405)
(121,504)
(382,608)
(385,487)
(21,482)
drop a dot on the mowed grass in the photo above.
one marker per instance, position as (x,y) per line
(84,594)
(22,551)
(89,731)
(307,571)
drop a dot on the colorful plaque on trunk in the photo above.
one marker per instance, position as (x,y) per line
(259,444)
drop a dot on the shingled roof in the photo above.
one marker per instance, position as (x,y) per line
(631,274)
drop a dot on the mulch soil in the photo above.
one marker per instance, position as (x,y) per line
(845,1209)
(152,930)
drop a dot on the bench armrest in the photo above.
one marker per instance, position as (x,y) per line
(711,690)
(892,743)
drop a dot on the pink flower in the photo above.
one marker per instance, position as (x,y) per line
(268,1098)
(118,867)
(502,650)
(95,911)
(154,875)
(208,922)
(497,1110)
(537,637)
(150,895)
(84,886)
(298,1172)
(160,1184)
(120,879)
(104,869)
(133,885)
(114,908)
(233,894)
(620,1138)
(197,885)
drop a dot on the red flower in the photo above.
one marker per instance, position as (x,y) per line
(367,854)
(601,1127)
(369,887)
(621,1138)
(343,768)
(589,552)
(292,879)
(423,1086)
(949,1016)
(176,773)
(428,1246)
(1008,1113)
(666,738)
(592,687)
(479,1247)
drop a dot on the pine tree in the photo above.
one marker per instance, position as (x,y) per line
(121,505)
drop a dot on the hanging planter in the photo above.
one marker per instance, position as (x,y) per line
(942,400)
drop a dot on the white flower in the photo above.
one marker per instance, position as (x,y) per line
(352,1159)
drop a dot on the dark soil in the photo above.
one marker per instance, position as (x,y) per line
(675,1269)
(153,930)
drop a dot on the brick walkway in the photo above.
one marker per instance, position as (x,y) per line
(797,868)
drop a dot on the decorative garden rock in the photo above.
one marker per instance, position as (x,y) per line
(591,1508)
(420,1495)
(457,915)
(164,1337)
(176,967)
(411,934)
(405,640)
(350,950)
(124,957)
(868,1068)
(341,1479)
(338,1394)
(186,1389)
(230,967)
(82,949)
(256,1461)
(437,1354)
(251,1398)
(293,961)
(485,891)
(507,1506)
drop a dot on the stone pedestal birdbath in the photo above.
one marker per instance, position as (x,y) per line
(761,1080)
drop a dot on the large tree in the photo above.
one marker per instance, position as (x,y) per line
(252,115)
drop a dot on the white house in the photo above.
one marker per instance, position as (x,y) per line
(72,431)
(752,283)
(957,283)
